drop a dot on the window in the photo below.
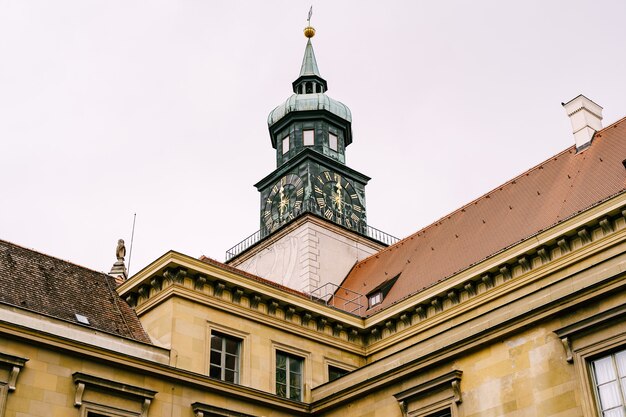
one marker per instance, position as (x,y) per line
(335,372)
(285,145)
(225,352)
(289,376)
(377,295)
(332,141)
(308,137)
(609,375)
(442,413)
(374,299)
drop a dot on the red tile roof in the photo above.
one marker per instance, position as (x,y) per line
(57,288)
(541,197)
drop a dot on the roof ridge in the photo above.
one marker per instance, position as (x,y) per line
(55,257)
(469,204)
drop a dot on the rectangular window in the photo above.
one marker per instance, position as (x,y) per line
(609,375)
(335,372)
(289,376)
(442,413)
(285,145)
(375,299)
(225,353)
(308,137)
(332,141)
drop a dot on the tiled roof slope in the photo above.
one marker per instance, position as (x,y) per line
(543,196)
(57,288)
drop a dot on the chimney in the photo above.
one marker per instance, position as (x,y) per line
(586,118)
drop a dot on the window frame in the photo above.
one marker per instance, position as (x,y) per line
(437,393)
(306,368)
(374,299)
(590,339)
(328,362)
(596,386)
(244,351)
(285,149)
(11,367)
(304,137)
(224,354)
(288,371)
(138,398)
(336,148)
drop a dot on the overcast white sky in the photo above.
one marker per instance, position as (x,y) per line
(115,107)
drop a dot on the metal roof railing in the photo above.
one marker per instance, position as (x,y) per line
(339,297)
(254,238)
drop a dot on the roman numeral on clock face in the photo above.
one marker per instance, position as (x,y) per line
(318,190)
(354,217)
(357,208)
(327,175)
(328,214)
(321,202)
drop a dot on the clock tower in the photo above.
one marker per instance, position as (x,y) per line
(312,205)
(310,132)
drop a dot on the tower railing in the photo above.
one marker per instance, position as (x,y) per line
(254,238)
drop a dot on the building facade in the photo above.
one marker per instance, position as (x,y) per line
(513,305)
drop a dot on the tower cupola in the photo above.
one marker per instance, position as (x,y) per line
(309,118)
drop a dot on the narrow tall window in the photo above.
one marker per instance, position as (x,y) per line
(289,376)
(610,381)
(225,352)
(332,141)
(285,145)
(308,137)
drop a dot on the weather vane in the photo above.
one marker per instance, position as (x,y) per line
(309,31)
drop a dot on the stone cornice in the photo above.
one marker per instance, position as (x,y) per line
(138,363)
(547,252)
(444,342)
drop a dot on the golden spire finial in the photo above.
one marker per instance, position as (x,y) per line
(309,31)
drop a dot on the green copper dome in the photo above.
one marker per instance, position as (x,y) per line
(309,91)
(308,102)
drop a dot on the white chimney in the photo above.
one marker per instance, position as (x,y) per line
(586,118)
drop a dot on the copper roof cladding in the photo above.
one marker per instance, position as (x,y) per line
(60,289)
(541,197)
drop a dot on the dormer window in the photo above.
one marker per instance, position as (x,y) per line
(378,294)
(308,137)
(332,142)
(285,145)
(374,299)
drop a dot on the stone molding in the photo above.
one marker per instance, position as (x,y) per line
(85,381)
(399,319)
(15,365)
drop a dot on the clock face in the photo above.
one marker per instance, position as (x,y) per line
(338,200)
(284,202)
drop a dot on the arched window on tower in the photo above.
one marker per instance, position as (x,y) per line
(309,88)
